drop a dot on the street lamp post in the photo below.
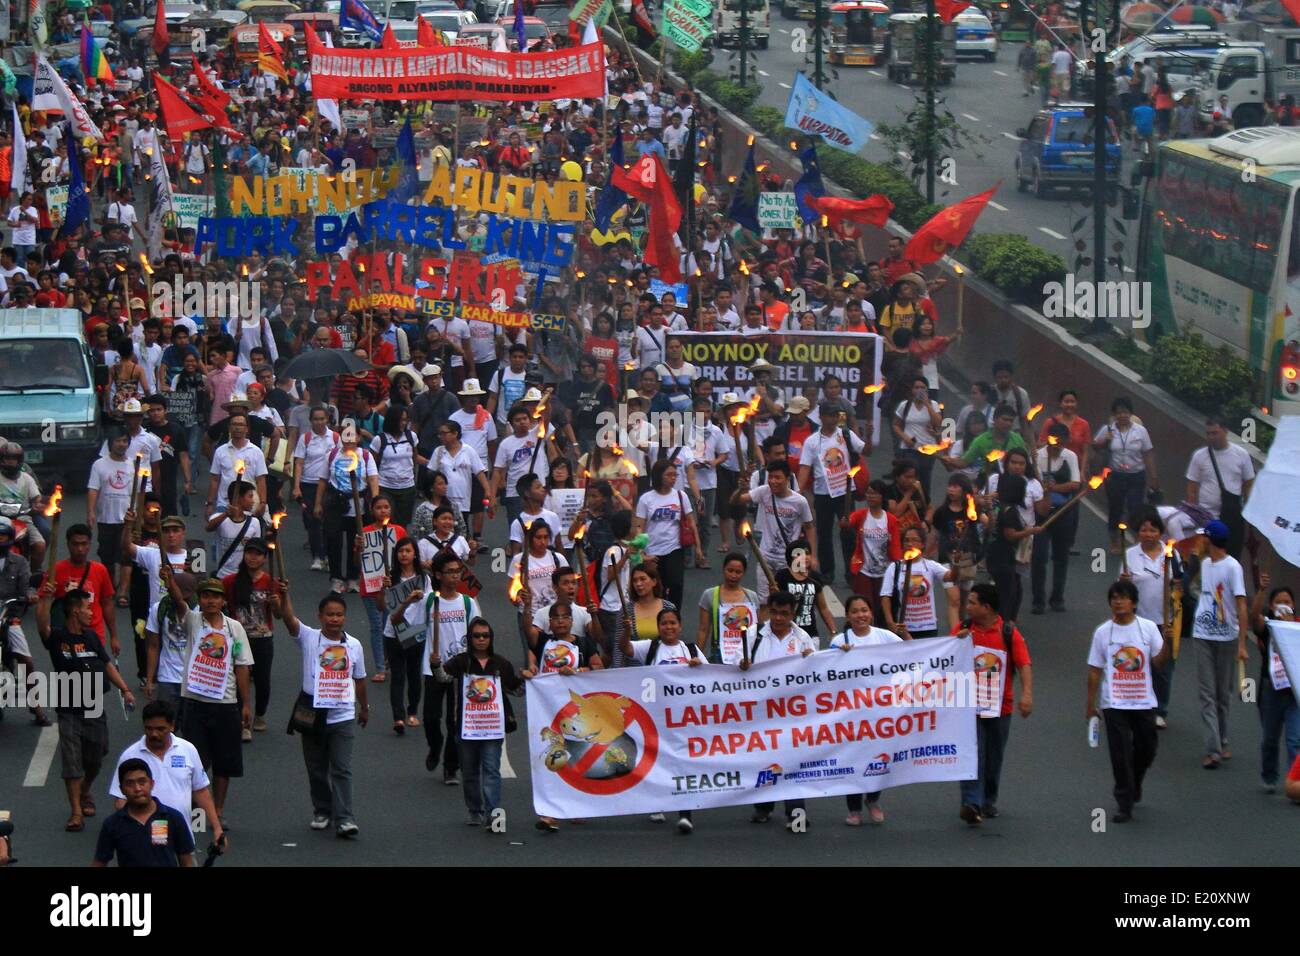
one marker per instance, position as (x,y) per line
(744,41)
(930,18)
(819,75)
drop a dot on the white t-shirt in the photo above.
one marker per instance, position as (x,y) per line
(828,456)
(177,774)
(149,559)
(482,340)
(1149,576)
(526,519)
(454,615)
(926,583)
(226,533)
(1123,652)
(223,465)
(663,516)
(460,470)
(172,642)
(430,546)
(317,649)
(709,445)
(473,436)
(1222,582)
(581,618)
(456,330)
(509,387)
(1126,448)
(1033,495)
(113,480)
(314,449)
(24,233)
(609,595)
(916,421)
(1234,465)
(397,463)
(766,646)
(540,571)
(665,653)
(792,512)
(515,456)
(873,637)
(651,345)
(229,639)
(875,545)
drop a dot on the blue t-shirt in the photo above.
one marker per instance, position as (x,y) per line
(1144,118)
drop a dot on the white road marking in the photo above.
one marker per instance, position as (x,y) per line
(1012,136)
(973,119)
(903,154)
(764,73)
(39,768)
(873,136)
(1000,73)
(784,30)
(784,86)
(1051,232)
(998,206)
(507,771)
(875,73)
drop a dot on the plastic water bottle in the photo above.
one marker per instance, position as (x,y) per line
(1094,732)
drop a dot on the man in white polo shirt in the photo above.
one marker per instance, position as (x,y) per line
(179,780)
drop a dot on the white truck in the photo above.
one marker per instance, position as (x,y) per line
(1260,68)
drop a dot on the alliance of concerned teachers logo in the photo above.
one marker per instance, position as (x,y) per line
(601,743)
(877,766)
(769,776)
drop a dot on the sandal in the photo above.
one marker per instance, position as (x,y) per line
(74,825)
(1225,754)
(399,727)
(378,678)
(723,549)
(123,602)
(413,721)
(1210,762)
(87,806)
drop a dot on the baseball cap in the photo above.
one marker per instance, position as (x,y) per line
(799,404)
(1216,531)
(212,586)
(173,522)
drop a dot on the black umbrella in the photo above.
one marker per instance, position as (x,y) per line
(324,363)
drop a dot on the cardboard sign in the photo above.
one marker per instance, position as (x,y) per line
(372,560)
(778,211)
(190,209)
(393,599)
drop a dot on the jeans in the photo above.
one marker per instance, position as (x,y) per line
(315,528)
(704,517)
(1007,581)
(1277,713)
(991,734)
(854,800)
(1132,741)
(263,649)
(328,756)
(514,507)
(1057,538)
(375,615)
(340,530)
(610,621)
(790,807)
(1214,684)
(1125,495)
(827,512)
(23,252)
(404,677)
(480,762)
(440,701)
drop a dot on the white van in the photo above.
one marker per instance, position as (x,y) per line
(728,18)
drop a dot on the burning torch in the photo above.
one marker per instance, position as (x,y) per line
(748,534)
(353,461)
(52,511)
(1094,483)
(274,543)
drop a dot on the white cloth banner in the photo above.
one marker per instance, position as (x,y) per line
(162,201)
(18,163)
(1284,638)
(650,740)
(49,92)
(1273,506)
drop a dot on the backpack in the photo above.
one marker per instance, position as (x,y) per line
(1008,637)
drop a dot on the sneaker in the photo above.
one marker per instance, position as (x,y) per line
(685,826)
(347,830)
(1161,723)
(354,586)
(971,814)
(474,820)
(450,780)
(259,724)
(1121,816)
(320,821)
(989,811)
(246,736)
(1036,609)
(431,761)
(656,818)
(853,820)
(877,815)
(338,585)
(317,564)
(1266,787)
(760,817)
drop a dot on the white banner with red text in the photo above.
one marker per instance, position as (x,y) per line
(664,738)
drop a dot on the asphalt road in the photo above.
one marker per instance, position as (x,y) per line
(1052,782)
(988,102)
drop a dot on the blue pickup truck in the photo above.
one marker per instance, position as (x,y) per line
(1056,151)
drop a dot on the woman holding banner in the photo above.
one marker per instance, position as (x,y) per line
(383,529)
(405,589)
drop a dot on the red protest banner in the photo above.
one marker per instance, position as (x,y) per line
(456,73)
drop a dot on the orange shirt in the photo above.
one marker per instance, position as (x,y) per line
(776,314)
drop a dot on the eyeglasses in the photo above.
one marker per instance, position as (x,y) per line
(480,634)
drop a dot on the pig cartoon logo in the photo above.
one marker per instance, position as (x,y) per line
(600,743)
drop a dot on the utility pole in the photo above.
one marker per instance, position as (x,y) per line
(1100,139)
(744,41)
(930,19)
(819,74)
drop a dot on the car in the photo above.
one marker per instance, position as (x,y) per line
(536,31)
(554,15)
(486,36)
(450,22)
(1056,151)
(976,36)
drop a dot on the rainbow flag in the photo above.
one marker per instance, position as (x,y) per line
(93,62)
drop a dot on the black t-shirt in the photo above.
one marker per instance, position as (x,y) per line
(258,430)
(805,597)
(585,400)
(155,843)
(280,400)
(950,539)
(1002,552)
(81,653)
(174,441)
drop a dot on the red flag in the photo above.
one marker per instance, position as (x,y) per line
(948,9)
(642,18)
(426,35)
(648,181)
(946,229)
(270,58)
(210,91)
(872,211)
(389,40)
(178,116)
(575,33)
(160,36)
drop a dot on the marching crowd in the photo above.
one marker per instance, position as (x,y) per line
(447,444)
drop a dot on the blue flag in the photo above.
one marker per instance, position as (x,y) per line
(355,15)
(812,111)
(521,35)
(744,201)
(611,197)
(78,211)
(408,180)
(809,184)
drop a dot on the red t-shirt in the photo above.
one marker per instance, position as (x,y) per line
(97,584)
(399,534)
(895,269)
(606,353)
(991,637)
(794,442)
(1080,435)
(1294,772)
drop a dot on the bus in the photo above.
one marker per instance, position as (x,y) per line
(859,32)
(1219,243)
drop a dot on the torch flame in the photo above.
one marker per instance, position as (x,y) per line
(516,585)
(872,389)
(932,449)
(144,472)
(997,454)
(1053,440)
(1169,548)
(277,518)
(55,499)
(853,472)
(541,430)
(353,461)
(1095,481)
(580,533)
(629,366)
(144,261)
(239,467)
(971,513)
(617,450)
(631,467)
(1033,411)
(746,530)
(911,554)
(541,406)
(744,267)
